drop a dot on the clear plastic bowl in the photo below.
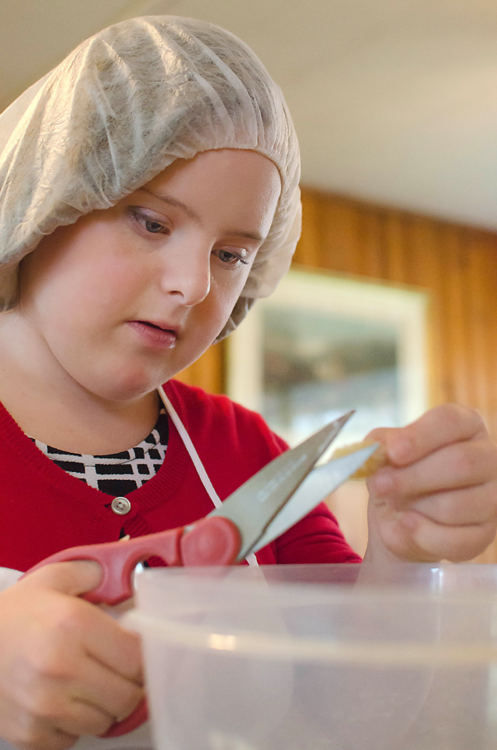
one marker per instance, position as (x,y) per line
(321,657)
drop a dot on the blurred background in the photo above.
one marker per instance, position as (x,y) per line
(392,303)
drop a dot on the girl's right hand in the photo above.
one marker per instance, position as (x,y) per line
(66,667)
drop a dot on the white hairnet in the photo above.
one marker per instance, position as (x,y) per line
(117,111)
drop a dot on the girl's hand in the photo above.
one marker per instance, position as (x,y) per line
(438,498)
(66,667)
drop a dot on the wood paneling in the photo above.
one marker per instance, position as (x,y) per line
(456,264)
(208,372)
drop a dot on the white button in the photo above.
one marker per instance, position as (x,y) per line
(121,506)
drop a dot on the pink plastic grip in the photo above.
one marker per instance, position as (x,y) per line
(118,561)
(214,540)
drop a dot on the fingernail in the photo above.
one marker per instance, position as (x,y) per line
(382,483)
(400,449)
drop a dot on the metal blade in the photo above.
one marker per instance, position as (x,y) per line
(315,487)
(253,505)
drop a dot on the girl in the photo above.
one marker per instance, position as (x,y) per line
(155,173)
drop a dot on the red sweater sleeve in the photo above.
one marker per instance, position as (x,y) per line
(317,538)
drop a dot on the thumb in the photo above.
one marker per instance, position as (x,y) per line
(389,438)
(380,434)
(72,578)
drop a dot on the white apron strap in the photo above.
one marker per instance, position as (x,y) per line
(192,452)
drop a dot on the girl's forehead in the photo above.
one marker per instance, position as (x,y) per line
(238,188)
(230,158)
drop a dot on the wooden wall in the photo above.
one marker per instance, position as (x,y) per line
(456,264)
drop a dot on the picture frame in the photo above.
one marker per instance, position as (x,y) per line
(323,344)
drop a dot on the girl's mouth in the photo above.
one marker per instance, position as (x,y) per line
(153,334)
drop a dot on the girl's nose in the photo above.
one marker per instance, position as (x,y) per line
(187,274)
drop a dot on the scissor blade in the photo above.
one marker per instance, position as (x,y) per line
(315,487)
(253,505)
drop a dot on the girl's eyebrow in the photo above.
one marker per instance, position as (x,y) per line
(173,202)
(196,218)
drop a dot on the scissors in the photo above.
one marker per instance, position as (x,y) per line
(263,508)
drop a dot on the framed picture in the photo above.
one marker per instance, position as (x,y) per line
(323,345)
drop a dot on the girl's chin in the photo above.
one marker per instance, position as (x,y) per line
(124,381)
(128,390)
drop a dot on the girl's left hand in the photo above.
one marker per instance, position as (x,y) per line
(438,498)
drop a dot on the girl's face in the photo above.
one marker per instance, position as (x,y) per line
(126,297)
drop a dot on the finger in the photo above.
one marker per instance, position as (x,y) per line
(443,425)
(110,693)
(28,733)
(456,466)
(459,507)
(83,718)
(72,578)
(98,635)
(454,543)
(73,692)
(52,706)
(91,629)
(115,648)
(87,704)
(411,536)
(48,739)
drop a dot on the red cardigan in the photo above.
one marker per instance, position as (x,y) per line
(43,509)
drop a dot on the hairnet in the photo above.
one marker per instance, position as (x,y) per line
(117,111)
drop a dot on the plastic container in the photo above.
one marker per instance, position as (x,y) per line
(288,659)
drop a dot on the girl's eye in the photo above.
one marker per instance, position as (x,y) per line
(151,226)
(154,227)
(233,259)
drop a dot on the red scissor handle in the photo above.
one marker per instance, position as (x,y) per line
(214,540)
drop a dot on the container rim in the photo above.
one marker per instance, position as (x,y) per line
(284,647)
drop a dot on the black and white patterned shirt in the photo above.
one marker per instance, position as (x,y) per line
(116,474)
